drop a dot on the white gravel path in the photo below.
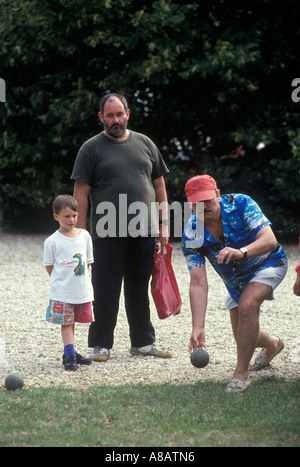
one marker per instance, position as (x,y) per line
(32,347)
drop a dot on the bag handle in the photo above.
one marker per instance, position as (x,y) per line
(168,248)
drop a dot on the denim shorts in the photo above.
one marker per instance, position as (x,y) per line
(269,276)
(68,313)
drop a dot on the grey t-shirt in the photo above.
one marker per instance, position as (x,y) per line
(120,173)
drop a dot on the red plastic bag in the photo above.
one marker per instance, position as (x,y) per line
(164,288)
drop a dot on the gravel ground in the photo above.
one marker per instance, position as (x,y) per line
(32,347)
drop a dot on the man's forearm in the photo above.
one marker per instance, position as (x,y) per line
(162,200)
(81,195)
(82,212)
(198,304)
(264,243)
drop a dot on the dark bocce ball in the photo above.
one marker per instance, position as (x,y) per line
(14,381)
(199,358)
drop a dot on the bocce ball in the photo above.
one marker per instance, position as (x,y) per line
(199,358)
(13,382)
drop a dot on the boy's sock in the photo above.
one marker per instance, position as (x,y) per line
(69,350)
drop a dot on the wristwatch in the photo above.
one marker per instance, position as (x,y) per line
(244,251)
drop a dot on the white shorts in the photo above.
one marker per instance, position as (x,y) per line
(269,276)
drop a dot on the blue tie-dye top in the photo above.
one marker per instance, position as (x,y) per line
(242,219)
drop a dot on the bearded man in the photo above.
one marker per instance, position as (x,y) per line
(119,168)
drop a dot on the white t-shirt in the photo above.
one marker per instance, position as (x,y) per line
(70,279)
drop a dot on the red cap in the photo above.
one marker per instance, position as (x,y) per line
(200,188)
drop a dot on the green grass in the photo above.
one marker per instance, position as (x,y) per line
(152,416)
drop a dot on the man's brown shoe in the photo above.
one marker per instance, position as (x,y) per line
(150,350)
(100,354)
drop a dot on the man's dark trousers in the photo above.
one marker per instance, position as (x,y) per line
(115,259)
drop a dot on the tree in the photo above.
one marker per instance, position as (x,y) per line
(206,79)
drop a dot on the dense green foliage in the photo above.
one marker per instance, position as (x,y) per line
(202,79)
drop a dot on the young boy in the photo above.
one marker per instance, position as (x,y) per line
(67,254)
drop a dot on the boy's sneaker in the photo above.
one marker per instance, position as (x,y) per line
(79,359)
(82,361)
(70,363)
(99,354)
